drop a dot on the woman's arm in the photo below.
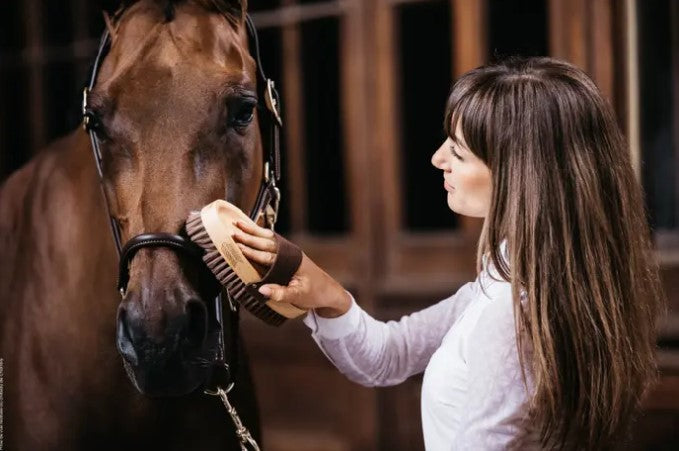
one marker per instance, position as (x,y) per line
(368,351)
(375,353)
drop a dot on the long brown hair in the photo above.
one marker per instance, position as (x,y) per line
(566,200)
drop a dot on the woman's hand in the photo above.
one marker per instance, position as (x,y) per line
(309,288)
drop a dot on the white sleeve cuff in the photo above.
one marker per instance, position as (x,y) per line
(334,328)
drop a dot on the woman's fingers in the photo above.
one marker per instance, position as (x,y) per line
(254,229)
(262,257)
(281,293)
(274,292)
(256,242)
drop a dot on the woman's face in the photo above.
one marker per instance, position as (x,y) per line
(465,177)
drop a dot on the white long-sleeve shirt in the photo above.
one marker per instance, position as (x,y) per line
(473,391)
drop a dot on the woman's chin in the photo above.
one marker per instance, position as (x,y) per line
(464,210)
(451,203)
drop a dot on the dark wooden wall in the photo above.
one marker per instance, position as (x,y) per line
(364,84)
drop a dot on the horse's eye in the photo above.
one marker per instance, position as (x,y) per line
(95,124)
(242,113)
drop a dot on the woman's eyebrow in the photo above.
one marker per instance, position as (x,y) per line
(458,142)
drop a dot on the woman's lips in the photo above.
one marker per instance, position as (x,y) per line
(447,187)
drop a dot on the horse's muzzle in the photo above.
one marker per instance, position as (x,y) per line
(181,335)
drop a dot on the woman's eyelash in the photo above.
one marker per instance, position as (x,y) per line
(455,154)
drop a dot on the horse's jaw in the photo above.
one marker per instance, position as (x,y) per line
(164,383)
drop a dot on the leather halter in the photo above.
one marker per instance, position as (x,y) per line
(266,204)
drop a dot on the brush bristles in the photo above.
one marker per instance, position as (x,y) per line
(226,275)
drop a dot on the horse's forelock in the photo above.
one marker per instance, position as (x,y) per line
(233,10)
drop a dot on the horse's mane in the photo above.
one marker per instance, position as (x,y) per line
(233,10)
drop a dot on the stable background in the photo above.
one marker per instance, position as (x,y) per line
(364,84)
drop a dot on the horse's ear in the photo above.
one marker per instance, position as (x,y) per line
(234,10)
(113,9)
(109,24)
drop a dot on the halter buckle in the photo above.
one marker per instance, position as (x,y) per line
(271,102)
(86,117)
(271,212)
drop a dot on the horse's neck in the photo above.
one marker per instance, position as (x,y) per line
(53,229)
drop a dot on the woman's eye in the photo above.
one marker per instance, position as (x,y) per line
(455,154)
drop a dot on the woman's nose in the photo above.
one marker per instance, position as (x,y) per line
(438,159)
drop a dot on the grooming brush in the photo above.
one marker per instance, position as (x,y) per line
(212,229)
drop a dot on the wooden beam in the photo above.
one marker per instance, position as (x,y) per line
(293,101)
(35,95)
(633,114)
(601,51)
(386,192)
(674,49)
(620,61)
(4,169)
(356,58)
(568,31)
(470,39)
(291,13)
(356,125)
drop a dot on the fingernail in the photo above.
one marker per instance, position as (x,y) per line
(266,291)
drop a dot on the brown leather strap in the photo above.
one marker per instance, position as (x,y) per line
(288,259)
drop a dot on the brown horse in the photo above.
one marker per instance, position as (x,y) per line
(173,109)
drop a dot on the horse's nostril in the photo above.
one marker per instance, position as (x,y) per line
(197,322)
(123,339)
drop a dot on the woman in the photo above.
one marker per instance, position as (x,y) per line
(553,344)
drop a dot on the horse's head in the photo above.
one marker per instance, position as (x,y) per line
(174,111)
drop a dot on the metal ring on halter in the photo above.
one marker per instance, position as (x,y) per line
(219,390)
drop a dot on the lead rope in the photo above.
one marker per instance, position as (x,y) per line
(241,431)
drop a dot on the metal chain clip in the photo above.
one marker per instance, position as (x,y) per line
(241,431)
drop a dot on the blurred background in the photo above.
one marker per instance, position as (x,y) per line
(364,83)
